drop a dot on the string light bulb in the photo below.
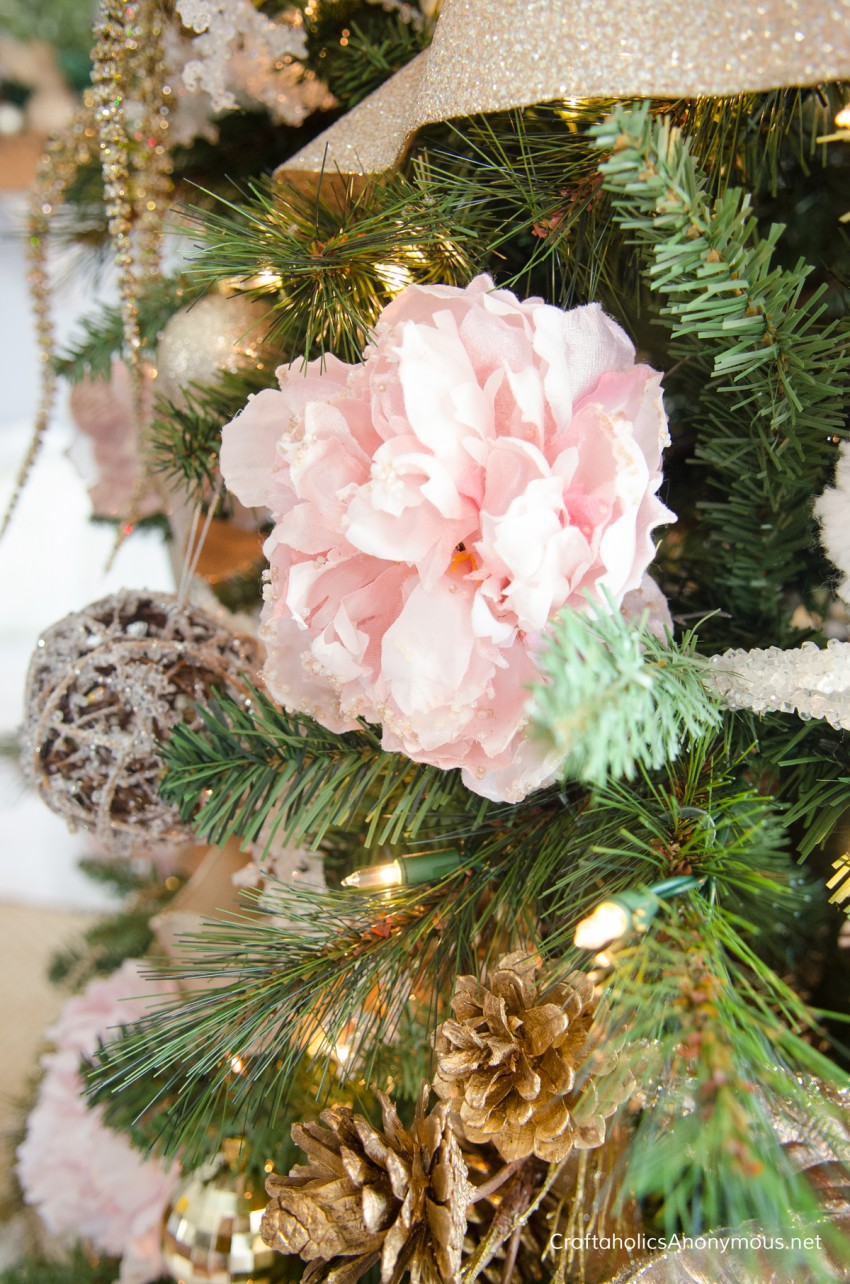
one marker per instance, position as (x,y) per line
(374,878)
(395,277)
(629,911)
(840,880)
(404,871)
(608,922)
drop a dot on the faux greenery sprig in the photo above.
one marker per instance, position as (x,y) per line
(772,401)
(614,697)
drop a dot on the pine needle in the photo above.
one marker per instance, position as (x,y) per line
(772,404)
(614,698)
(330,262)
(242,766)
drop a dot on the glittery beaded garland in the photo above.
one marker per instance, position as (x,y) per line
(105,687)
(127,63)
(127,73)
(63,154)
(488,57)
(810,681)
(132,122)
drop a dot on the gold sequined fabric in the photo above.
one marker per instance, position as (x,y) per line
(488,57)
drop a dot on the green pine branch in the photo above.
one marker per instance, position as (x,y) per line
(773,402)
(184,440)
(241,766)
(79,1267)
(753,140)
(328,262)
(307,972)
(294,975)
(526,182)
(811,765)
(12,779)
(145,1108)
(613,698)
(102,949)
(731,1052)
(374,46)
(120,876)
(143,1111)
(701,816)
(700,1007)
(297,970)
(114,937)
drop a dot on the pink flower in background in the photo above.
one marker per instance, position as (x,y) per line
(86,1181)
(489,462)
(106,451)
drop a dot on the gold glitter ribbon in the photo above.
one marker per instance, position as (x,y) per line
(489,57)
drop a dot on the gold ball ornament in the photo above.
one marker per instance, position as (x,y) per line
(211,1231)
(106,686)
(217,333)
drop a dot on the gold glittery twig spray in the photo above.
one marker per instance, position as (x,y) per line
(127,73)
(125,118)
(63,154)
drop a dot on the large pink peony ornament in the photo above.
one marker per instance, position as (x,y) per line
(487,463)
(86,1181)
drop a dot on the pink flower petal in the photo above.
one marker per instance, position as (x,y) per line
(489,462)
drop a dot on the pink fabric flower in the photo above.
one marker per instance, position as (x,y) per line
(106,451)
(489,462)
(86,1181)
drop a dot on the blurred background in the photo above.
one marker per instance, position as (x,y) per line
(52,558)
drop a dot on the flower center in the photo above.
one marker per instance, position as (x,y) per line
(463,556)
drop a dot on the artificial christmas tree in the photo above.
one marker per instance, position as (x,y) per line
(535,425)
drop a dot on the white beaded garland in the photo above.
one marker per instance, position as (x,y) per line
(238,52)
(810,681)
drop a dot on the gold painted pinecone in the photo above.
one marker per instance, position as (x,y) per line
(508,1064)
(366,1196)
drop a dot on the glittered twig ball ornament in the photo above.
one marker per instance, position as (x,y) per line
(106,686)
